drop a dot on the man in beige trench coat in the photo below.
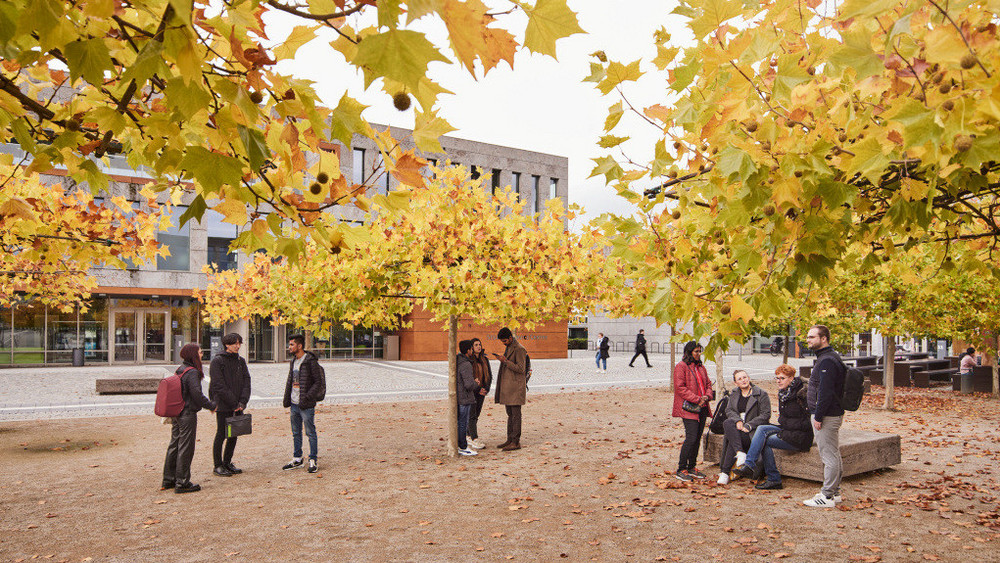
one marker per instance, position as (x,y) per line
(512,383)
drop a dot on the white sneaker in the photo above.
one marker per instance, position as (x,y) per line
(822,501)
(741,458)
(467,451)
(473,443)
(723,479)
(598,370)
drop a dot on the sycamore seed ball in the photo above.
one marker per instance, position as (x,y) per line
(968,61)
(401,101)
(963,143)
(256,97)
(676,214)
(948,105)
(769,210)
(322,177)
(725,309)
(315,189)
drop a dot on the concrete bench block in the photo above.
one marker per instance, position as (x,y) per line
(126,385)
(862,451)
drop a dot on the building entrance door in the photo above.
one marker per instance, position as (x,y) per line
(141,335)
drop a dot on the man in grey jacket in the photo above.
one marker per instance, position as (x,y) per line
(467,387)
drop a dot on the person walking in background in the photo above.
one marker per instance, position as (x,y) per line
(230,389)
(746,410)
(484,377)
(794,430)
(640,349)
(304,386)
(826,386)
(692,392)
(466,387)
(184,429)
(603,352)
(512,386)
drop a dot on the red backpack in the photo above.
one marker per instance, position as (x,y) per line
(169,396)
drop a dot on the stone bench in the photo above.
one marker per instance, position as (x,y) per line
(862,451)
(144,382)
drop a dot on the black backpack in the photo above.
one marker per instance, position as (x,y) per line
(322,382)
(720,414)
(527,370)
(854,388)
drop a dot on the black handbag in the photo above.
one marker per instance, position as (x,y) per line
(691,407)
(239,425)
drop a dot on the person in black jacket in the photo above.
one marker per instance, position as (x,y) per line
(747,409)
(826,387)
(467,386)
(603,352)
(304,386)
(177,465)
(640,349)
(793,432)
(484,377)
(230,389)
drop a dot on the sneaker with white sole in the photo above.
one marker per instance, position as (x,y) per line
(313,466)
(294,464)
(723,479)
(741,458)
(473,443)
(821,501)
(467,451)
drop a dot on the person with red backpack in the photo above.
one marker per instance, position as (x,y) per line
(177,466)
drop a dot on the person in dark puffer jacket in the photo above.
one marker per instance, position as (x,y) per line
(230,389)
(177,465)
(466,388)
(794,431)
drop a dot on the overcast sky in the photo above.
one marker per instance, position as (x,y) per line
(542,105)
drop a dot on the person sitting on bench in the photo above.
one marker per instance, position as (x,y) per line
(746,410)
(793,432)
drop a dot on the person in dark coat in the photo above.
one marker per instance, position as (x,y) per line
(794,430)
(640,349)
(467,388)
(691,385)
(230,389)
(177,465)
(603,352)
(747,409)
(484,377)
(304,386)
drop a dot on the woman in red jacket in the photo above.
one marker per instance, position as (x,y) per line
(692,393)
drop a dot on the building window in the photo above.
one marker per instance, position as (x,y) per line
(428,171)
(381,174)
(553,185)
(475,174)
(28,337)
(178,242)
(358,166)
(220,236)
(535,195)
(495,181)
(515,182)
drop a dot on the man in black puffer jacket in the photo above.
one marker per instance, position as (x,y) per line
(304,387)
(230,389)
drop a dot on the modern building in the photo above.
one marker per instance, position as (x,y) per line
(144,314)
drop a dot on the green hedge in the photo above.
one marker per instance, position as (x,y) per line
(577,344)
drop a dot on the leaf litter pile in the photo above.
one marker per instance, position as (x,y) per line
(593,482)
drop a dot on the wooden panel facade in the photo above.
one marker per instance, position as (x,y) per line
(427,340)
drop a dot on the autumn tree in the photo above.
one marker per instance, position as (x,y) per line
(799,135)
(188,91)
(449,247)
(50,237)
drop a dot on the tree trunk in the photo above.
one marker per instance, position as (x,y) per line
(718,374)
(673,352)
(889,355)
(990,359)
(452,386)
(788,332)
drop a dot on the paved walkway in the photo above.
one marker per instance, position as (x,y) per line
(68,392)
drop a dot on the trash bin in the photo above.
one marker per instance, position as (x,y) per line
(77,357)
(966,383)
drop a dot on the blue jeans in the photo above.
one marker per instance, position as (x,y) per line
(765,439)
(463,425)
(308,416)
(599,359)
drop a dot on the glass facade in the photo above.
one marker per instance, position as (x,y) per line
(94,331)
(178,242)
(220,235)
(345,343)
(29,334)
